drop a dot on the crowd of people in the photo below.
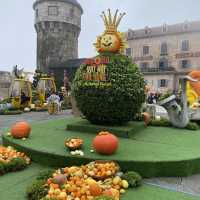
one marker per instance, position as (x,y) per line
(153,98)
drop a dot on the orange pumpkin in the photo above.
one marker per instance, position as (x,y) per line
(105,143)
(95,189)
(195,85)
(20,130)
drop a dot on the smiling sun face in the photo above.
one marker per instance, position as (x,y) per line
(109,43)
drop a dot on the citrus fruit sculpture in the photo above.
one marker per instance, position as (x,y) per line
(109,88)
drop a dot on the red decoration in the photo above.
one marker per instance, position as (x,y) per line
(96,61)
(20,130)
(105,143)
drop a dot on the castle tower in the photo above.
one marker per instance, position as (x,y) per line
(58,25)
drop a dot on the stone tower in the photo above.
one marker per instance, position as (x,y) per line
(58,25)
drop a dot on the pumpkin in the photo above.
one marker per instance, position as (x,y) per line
(21,130)
(147,118)
(59,179)
(95,189)
(105,143)
(195,85)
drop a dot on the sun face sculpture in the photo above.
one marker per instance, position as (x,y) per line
(111,40)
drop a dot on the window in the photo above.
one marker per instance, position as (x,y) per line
(36,13)
(164,28)
(145,50)
(128,51)
(53,10)
(163,64)
(185,64)
(185,26)
(163,49)
(130,33)
(185,45)
(163,83)
(71,12)
(144,65)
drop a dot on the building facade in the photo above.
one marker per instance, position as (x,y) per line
(58,25)
(5,82)
(165,53)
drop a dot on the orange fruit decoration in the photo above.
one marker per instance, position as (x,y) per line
(147,118)
(95,189)
(21,130)
(195,85)
(105,143)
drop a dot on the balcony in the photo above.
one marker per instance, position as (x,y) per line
(158,69)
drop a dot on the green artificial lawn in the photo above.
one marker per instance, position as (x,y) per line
(81,125)
(13,187)
(152,151)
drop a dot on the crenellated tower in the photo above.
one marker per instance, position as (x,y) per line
(58,25)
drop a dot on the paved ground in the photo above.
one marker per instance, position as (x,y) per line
(189,185)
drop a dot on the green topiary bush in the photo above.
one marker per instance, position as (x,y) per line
(114,101)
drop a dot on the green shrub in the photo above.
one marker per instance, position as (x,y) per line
(12,112)
(44,175)
(160,122)
(114,101)
(134,179)
(165,95)
(192,126)
(37,190)
(15,165)
(2,169)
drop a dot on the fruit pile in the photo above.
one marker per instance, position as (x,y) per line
(74,143)
(8,153)
(100,170)
(12,160)
(74,183)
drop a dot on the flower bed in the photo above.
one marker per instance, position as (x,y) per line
(75,183)
(12,160)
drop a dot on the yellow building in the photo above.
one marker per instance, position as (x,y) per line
(165,53)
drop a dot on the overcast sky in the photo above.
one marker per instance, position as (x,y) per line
(18,38)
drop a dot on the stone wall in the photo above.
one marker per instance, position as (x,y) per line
(56,43)
(57,32)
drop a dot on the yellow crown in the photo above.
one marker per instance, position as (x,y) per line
(110,23)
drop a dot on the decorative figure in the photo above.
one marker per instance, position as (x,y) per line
(16,73)
(178,113)
(109,88)
(111,40)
